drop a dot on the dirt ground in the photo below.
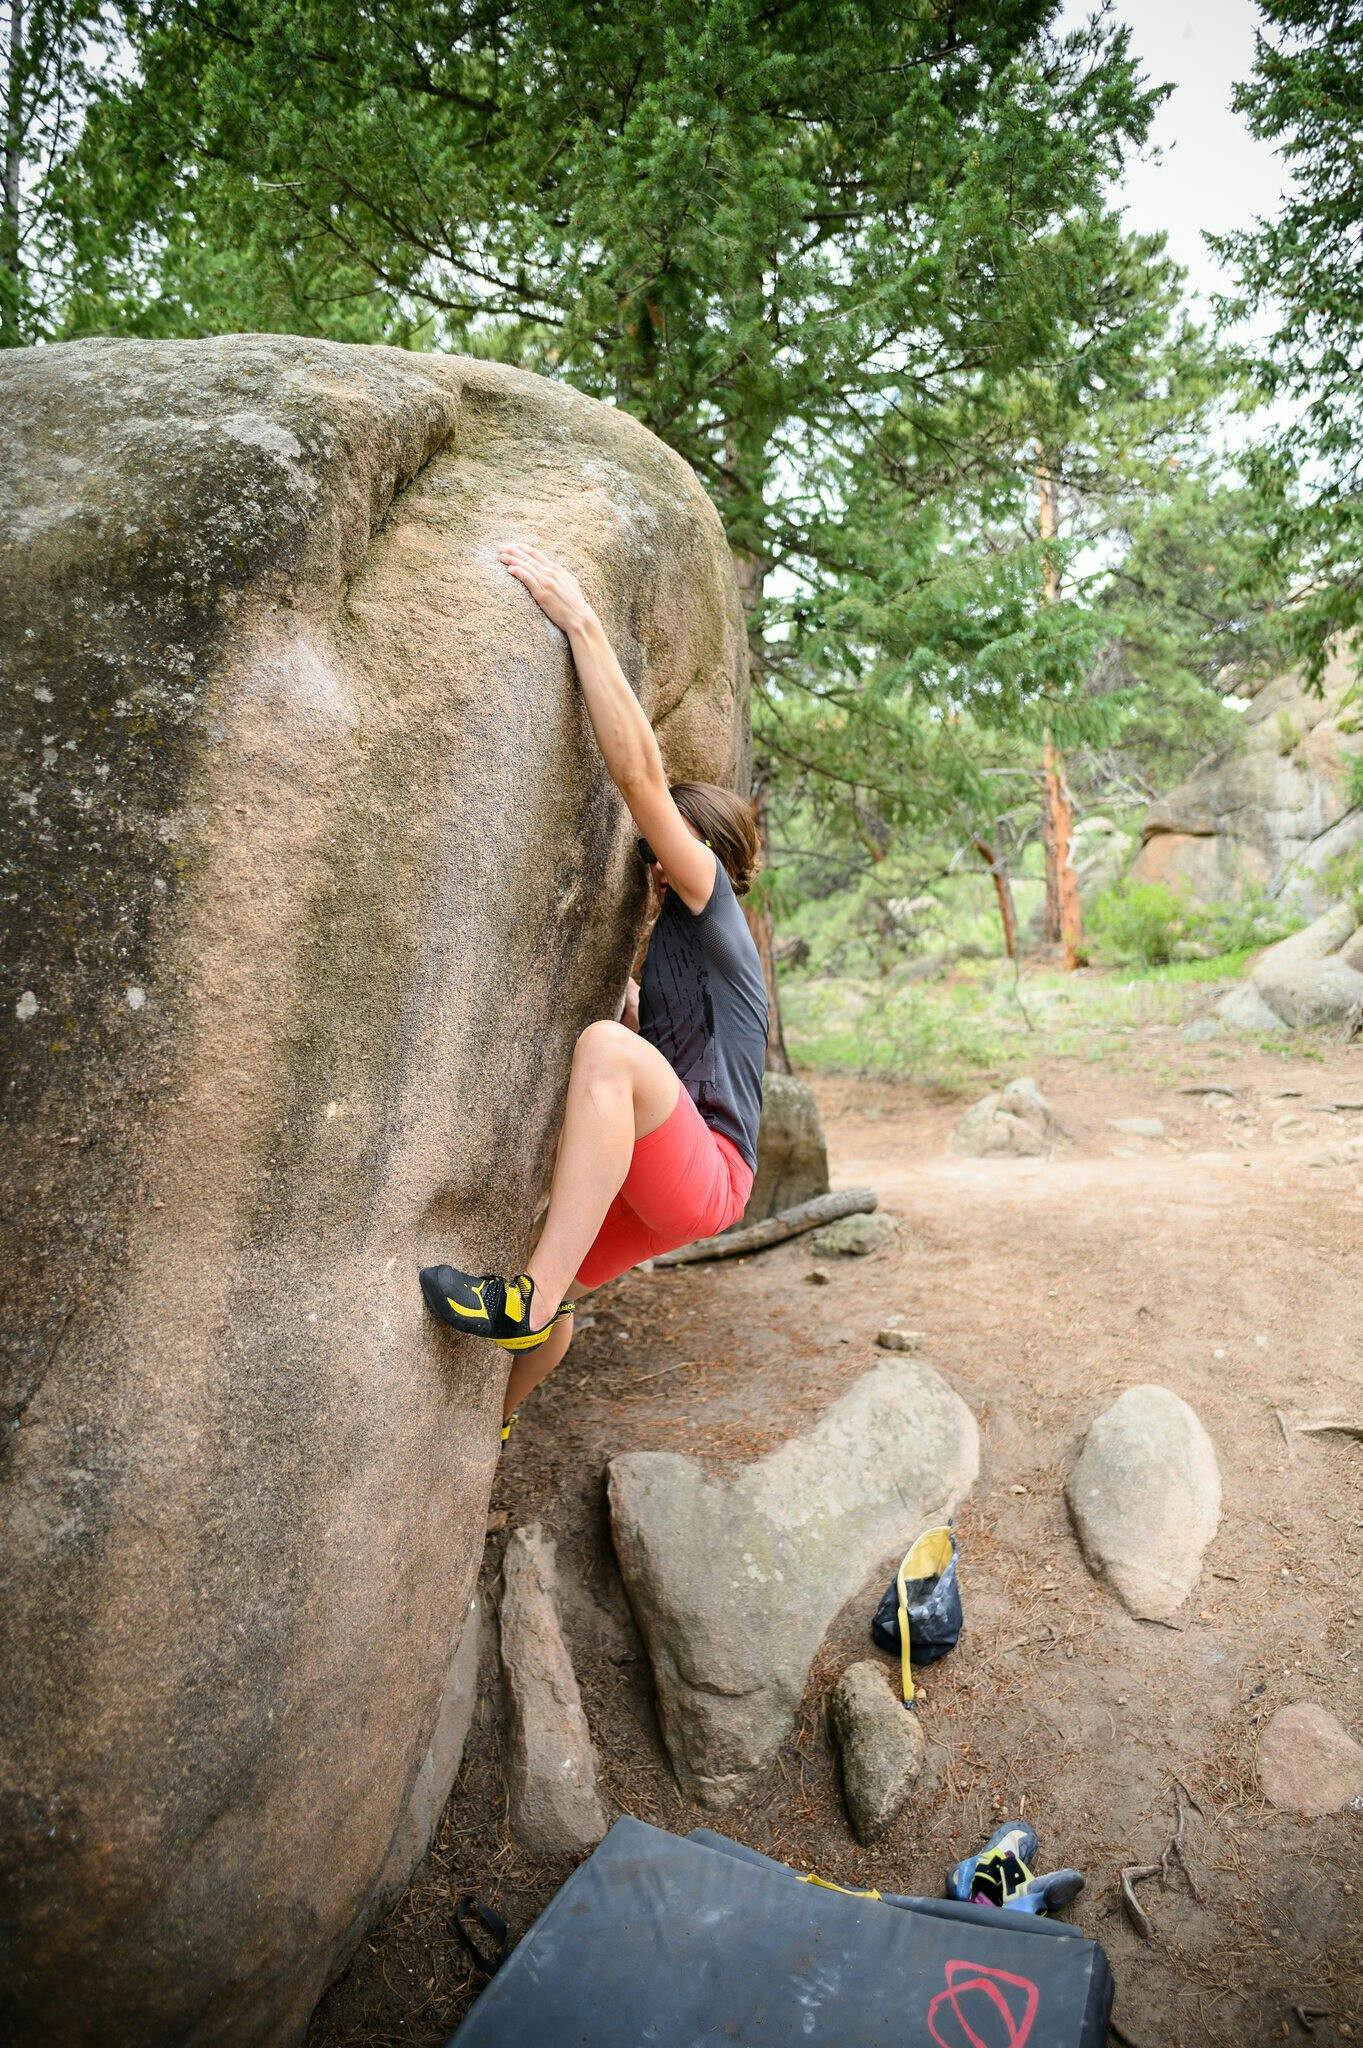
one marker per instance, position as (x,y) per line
(1224,1261)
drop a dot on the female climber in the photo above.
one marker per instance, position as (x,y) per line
(659,1137)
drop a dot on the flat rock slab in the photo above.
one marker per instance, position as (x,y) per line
(881,1746)
(734,1580)
(1308,1764)
(1013,1122)
(1137,1126)
(550,1763)
(852,1237)
(900,1340)
(1145,1498)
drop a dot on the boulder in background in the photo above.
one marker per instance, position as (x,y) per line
(792,1155)
(1270,813)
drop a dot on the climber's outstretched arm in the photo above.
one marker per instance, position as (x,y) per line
(626,739)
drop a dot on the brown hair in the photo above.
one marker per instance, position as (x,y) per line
(726,823)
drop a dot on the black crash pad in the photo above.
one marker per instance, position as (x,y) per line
(662,1941)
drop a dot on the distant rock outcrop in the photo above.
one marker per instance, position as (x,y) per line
(1272,812)
(318,874)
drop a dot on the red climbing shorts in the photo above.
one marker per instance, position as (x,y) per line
(685,1181)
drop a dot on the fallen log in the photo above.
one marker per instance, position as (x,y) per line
(759,1237)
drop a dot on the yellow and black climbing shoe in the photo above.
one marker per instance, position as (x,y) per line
(485,1305)
(512,1419)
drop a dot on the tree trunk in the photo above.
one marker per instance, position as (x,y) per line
(1003,889)
(760,925)
(757,1237)
(1060,811)
(751,573)
(1051,914)
(11,284)
(1063,919)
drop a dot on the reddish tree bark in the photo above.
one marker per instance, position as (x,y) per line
(1064,921)
(1003,889)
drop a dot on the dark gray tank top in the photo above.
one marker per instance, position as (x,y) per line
(703,1003)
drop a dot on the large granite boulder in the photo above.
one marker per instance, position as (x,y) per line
(293,770)
(1271,812)
(734,1580)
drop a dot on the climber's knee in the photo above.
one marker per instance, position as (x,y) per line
(604,1048)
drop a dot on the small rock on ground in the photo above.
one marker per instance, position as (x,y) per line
(1145,1498)
(1244,1009)
(900,1340)
(1202,1029)
(1308,1764)
(854,1236)
(550,1763)
(1013,1122)
(881,1746)
(1137,1126)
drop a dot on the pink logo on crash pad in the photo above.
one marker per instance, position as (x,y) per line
(982,2008)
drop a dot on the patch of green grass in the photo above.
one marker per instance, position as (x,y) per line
(981,1022)
(935,1034)
(1221,967)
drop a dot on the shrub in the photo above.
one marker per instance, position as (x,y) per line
(1139,921)
(1344,880)
(1289,732)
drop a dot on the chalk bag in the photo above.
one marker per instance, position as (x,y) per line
(920,1614)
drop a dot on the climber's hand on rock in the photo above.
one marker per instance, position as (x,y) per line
(555,589)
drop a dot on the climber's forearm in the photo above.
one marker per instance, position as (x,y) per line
(623,733)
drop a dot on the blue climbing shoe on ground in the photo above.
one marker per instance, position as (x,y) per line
(1047,1893)
(486,1305)
(1000,1874)
(1001,1867)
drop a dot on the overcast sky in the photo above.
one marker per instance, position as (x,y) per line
(1211,173)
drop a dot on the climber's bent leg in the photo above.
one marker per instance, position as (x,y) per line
(621,1089)
(684,1182)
